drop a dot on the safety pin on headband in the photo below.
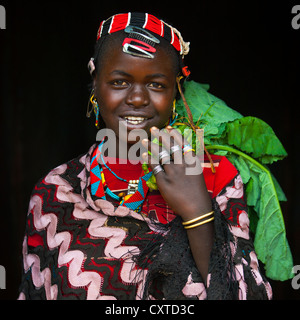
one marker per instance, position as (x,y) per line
(141,32)
(143,53)
(139,43)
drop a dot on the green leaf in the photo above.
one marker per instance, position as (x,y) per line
(255,137)
(266,219)
(210,112)
(249,143)
(270,237)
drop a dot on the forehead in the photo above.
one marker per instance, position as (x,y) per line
(115,59)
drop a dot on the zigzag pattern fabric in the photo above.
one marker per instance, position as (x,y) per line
(77,247)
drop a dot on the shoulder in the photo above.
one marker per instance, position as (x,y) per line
(55,195)
(224,173)
(69,175)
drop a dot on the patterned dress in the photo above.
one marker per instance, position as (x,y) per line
(78,246)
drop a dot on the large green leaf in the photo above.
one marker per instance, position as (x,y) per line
(266,219)
(209,112)
(255,137)
(249,143)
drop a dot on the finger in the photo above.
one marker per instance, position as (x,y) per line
(189,155)
(179,143)
(177,136)
(156,168)
(192,161)
(165,137)
(152,152)
(162,136)
(158,154)
(165,143)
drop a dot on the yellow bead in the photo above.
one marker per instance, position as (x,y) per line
(121,195)
(127,197)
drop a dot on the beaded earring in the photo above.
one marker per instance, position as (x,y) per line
(95,107)
(92,99)
(174,114)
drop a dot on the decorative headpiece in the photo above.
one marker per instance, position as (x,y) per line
(140,42)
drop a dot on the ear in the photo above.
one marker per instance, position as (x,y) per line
(94,81)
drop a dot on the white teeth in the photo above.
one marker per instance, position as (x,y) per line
(134,120)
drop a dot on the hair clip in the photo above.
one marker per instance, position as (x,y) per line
(139,43)
(91,66)
(136,32)
(137,51)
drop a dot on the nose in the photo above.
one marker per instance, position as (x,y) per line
(137,96)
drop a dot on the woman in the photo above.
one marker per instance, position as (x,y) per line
(95,230)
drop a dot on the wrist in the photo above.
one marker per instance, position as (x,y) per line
(199,221)
(196,213)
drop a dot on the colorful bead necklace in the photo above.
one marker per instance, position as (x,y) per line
(137,189)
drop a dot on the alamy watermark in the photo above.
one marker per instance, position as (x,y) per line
(296,19)
(296,280)
(2,18)
(2,278)
(130,148)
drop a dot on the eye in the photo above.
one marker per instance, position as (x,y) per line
(119,83)
(156,85)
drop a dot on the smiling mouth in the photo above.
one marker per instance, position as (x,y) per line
(135,120)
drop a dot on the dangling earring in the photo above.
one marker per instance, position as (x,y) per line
(174,114)
(95,105)
(88,110)
(96,110)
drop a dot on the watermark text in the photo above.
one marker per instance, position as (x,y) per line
(129,147)
(296,19)
(2,18)
(2,278)
(296,279)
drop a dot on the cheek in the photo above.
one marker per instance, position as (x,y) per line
(163,105)
(108,102)
(109,98)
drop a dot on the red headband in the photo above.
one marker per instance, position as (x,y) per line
(142,20)
(147,22)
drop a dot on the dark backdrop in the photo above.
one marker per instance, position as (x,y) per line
(247,51)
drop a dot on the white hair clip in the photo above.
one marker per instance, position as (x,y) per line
(139,42)
(91,66)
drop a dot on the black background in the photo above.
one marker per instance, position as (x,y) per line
(247,51)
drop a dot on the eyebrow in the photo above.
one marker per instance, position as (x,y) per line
(120,72)
(156,75)
(123,73)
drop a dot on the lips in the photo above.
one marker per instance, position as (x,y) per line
(135,120)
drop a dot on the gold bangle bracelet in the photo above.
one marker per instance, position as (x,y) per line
(199,224)
(197,219)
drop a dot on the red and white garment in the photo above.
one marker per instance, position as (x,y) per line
(77,247)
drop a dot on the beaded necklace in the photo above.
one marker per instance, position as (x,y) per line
(137,189)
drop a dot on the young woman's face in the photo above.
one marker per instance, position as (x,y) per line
(137,90)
